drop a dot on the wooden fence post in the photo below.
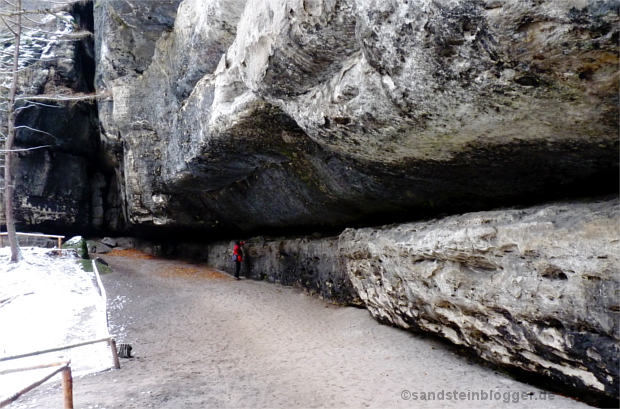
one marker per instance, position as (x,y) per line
(15,396)
(67,388)
(117,363)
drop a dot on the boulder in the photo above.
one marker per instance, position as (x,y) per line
(35,241)
(98,247)
(79,244)
(109,241)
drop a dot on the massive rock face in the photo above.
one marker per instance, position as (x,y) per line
(534,288)
(56,167)
(246,116)
(237,117)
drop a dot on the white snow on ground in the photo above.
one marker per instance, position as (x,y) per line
(47,301)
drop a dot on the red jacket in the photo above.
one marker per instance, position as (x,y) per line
(238,252)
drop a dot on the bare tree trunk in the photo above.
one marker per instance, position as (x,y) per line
(9,184)
(14,28)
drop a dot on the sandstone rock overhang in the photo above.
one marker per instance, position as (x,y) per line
(257,115)
(237,117)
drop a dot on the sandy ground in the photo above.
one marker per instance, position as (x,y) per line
(203,340)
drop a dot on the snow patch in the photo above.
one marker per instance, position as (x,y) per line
(47,301)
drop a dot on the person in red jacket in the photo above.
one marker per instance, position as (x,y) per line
(238,257)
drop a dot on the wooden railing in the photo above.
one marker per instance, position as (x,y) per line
(109,339)
(52,236)
(67,380)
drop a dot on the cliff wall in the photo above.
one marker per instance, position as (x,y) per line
(60,187)
(235,116)
(232,117)
(534,288)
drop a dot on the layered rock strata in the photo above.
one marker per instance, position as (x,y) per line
(310,263)
(537,288)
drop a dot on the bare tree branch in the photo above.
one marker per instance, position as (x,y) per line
(57,97)
(7,24)
(35,130)
(26,149)
(35,104)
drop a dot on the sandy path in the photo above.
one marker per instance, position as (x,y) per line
(204,340)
